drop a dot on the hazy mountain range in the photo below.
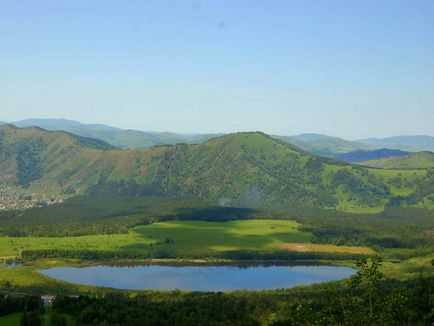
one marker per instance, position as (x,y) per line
(318,144)
(118,137)
(406,143)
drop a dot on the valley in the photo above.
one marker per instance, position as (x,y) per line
(243,198)
(216,163)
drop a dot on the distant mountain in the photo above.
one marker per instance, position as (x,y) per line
(236,169)
(317,144)
(420,160)
(323,145)
(115,136)
(308,138)
(406,143)
(365,155)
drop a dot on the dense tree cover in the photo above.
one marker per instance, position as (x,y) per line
(282,174)
(366,300)
(113,214)
(30,306)
(28,161)
(366,189)
(398,231)
(148,252)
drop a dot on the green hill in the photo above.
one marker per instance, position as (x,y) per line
(237,169)
(324,145)
(117,137)
(406,143)
(133,139)
(367,155)
(420,160)
(29,154)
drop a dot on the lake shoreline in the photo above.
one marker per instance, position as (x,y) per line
(181,262)
(202,278)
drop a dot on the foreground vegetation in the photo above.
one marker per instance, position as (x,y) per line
(366,299)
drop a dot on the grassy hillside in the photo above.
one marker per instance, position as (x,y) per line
(366,155)
(27,155)
(238,169)
(323,145)
(420,160)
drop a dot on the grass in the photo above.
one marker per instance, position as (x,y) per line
(181,236)
(243,234)
(12,246)
(410,176)
(303,247)
(409,268)
(420,160)
(11,320)
(233,235)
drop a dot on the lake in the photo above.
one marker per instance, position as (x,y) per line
(199,277)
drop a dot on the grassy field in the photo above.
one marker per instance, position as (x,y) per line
(183,235)
(11,320)
(420,160)
(237,235)
(304,247)
(233,235)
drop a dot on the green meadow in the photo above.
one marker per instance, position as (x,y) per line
(177,235)
(232,235)
(11,320)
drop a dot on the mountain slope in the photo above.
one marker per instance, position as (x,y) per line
(407,143)
(323,145)
(26,155)
(237,169)
(420,160)
(117,137)
(365,155)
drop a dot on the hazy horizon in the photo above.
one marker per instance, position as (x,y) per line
(353,69)
(169,131)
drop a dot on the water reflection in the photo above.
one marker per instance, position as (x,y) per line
(199,278)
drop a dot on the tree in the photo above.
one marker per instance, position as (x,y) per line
(366,281)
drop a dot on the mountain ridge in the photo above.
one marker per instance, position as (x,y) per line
(123,138)
(246,168)
(410,143)
(318,144)
(366,155)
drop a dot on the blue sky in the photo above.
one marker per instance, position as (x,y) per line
(345,68)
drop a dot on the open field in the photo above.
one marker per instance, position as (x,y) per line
(184,236)
(303,247)
(11,320)
(232,235)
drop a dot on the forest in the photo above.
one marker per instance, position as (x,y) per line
(397,232)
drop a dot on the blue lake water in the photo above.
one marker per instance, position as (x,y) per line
(199,278)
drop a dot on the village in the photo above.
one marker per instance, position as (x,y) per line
(14,198)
